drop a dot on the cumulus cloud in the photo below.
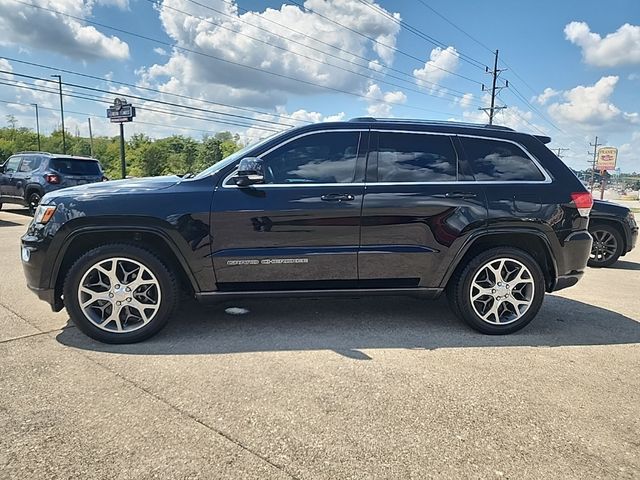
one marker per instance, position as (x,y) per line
(590,105)
(31,27)
(218,30)
(546,95)
(621,47)
(465,101)
(441,62)
(377,98)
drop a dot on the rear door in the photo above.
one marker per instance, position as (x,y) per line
(301,228)
(23,176)
(419,206)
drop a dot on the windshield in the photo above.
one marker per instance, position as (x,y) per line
(235,156)
(75,166)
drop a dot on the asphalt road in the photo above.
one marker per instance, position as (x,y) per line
(337,388)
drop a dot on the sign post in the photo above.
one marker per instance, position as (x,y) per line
(607,157)
(121,112)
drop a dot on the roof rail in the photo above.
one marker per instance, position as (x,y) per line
(430,122)
(32,151)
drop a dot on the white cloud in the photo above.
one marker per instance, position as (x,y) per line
(465,100)
(227,36)
(547,95)
(30,27)
(377,98)
(160,51)
(590,105)
(621,47)
(441,63)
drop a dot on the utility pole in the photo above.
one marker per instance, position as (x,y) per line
(37,125)
(64,138)
(90,137)
(495,89)
(559,152)
(593,165)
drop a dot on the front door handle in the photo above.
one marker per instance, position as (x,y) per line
(337,197)
(456,195)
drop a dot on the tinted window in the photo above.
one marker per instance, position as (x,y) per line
(492,160)
(318,158)
(30,163)
(12,164)
(408,157)
(75,166)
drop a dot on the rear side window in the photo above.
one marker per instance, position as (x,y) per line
(493,160)
(75,166)
(30,163)
(412,157)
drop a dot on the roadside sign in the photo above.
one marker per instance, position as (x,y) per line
(121,111)
(607,157)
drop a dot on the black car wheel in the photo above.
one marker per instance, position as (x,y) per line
(33,202)
(607,245)
(499,291)
(120,293)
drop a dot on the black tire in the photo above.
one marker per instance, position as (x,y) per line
(460,290)
(165,277)
(33,200)
(607,245)
(0,206)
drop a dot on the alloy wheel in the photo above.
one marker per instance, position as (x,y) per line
(502,291)
(604,246)
(119,295)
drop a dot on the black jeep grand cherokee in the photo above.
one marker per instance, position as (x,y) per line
(487,214)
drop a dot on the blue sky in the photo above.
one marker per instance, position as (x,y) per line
(573,67)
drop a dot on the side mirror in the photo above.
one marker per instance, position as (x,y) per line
(250,172)
(2,168)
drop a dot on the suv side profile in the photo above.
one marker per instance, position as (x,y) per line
(369,206)
(27,176)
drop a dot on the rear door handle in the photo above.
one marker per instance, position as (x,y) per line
(456,195)
(337,197)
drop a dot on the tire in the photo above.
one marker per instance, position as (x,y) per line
(516,302)
(33,200)
(607,245)
(142,311)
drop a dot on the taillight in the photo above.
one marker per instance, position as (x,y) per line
(52,178)
(583,202)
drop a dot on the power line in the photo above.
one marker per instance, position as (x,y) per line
(312,59)
(196,52)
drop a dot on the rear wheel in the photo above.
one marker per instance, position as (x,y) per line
(33,201)
(607,246)
(120,293)
(499,291)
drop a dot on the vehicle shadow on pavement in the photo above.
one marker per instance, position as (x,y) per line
(625,265)
(348,326)
(9,223)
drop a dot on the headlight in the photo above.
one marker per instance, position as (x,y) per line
(44,214)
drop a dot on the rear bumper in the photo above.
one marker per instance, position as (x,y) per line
(573,260)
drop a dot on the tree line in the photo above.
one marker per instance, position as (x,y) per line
(146,157)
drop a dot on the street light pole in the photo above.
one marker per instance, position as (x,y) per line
(37,125)
(64,138)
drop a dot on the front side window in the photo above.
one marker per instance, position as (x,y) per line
(12,165)
(493,160)
(328,157)
(411,157)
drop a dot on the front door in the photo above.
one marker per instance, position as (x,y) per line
(300,229)
(7,181)
(420,204)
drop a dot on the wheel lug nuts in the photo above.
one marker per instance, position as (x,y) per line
(493,290)
(111,295)
(128,299)
(118,303)
(127,289)
(117,286)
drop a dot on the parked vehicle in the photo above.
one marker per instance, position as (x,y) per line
(614,231)
(27,176)
(486,214)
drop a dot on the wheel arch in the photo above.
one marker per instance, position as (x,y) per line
(32,187)
(88,238)
(534,242)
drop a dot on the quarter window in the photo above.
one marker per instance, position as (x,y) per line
(409,157)
(317,158)
(493,160)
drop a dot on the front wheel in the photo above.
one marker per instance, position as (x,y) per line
(499,291)
(120,293)
(606,247)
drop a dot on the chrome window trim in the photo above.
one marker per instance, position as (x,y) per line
(547,177)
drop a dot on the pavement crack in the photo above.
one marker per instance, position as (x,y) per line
(192,417)
(31,335)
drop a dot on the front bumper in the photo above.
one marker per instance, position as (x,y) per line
(36,267)
(573,260)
